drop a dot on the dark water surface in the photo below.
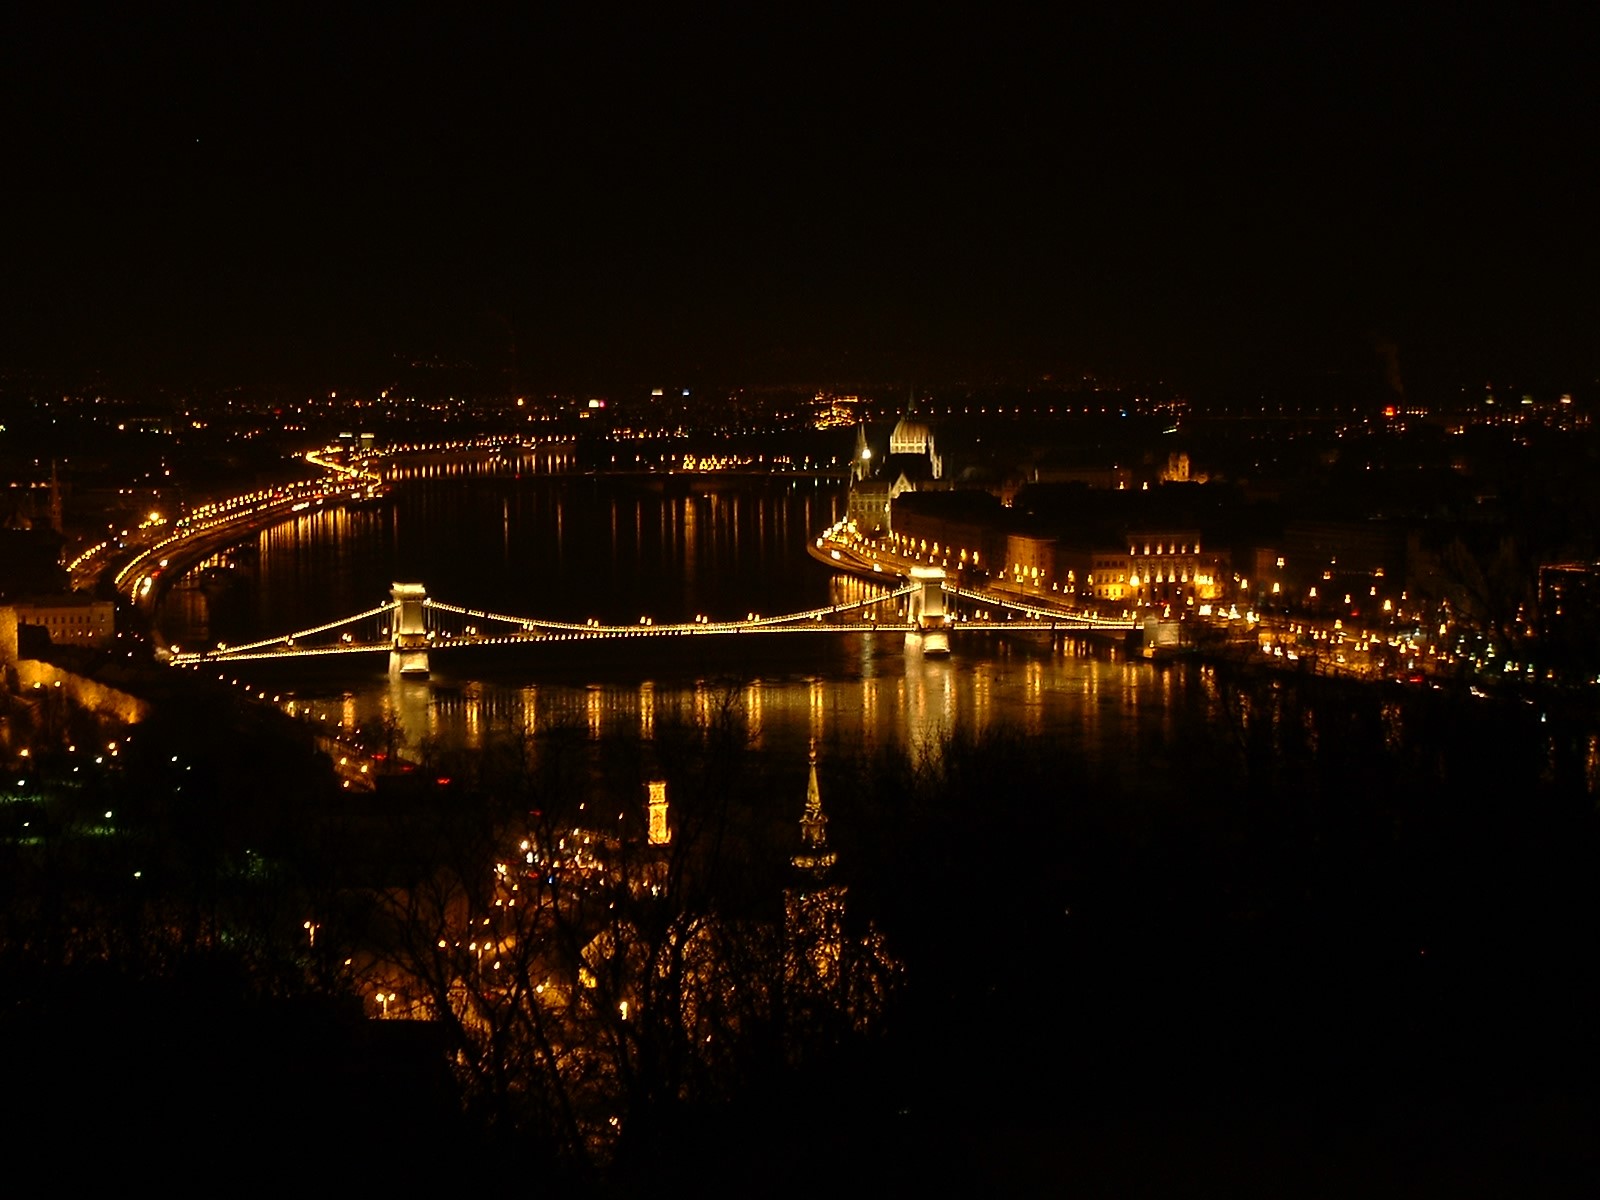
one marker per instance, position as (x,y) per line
(534,537)
(570,547)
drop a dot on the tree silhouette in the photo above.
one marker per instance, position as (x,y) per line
(593,985)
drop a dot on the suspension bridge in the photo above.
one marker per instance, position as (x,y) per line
(412,625)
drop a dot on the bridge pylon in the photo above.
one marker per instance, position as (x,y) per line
(925,611)
(408,654)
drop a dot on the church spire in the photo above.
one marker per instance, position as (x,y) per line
(814,857)
(861,460)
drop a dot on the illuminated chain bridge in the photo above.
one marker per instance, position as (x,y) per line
(412,625)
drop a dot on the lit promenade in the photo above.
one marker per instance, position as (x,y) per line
(226,520)
(843,554)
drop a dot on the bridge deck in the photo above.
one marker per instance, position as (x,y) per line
(523,630)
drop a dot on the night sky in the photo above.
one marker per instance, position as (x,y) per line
(768,194)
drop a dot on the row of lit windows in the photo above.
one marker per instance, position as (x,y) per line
(1170,548)
(1102,580)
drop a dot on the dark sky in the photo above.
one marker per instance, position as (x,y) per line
(1213,197)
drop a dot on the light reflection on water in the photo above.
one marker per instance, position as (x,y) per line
(854,690)
(575,547)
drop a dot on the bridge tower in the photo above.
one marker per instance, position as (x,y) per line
(925,609)
(409,652)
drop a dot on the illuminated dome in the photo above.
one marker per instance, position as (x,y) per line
(913,439)
(910,437)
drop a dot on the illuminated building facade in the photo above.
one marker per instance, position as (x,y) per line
(959,531)
(1168,568)
(68,620)
(1137,567)
(868,505)
(1030,561)
(1111,575)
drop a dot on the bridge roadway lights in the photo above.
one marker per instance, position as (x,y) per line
(925,611)
(409,654)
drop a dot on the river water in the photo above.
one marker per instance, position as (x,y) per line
(535,536)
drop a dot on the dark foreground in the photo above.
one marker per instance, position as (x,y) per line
(1352,958)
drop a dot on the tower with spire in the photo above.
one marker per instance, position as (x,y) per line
(813,905)
(861,460)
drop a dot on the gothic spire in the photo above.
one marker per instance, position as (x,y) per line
(814,858)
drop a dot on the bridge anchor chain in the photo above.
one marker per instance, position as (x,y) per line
(408,654)
(925,610)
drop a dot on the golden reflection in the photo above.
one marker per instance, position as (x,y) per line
(472,716)
(752,711)
(982,699)
(1033,697)
(1131,675)
(406,702)
(1169,700)
(928,702)
(1090,705)
(647,710)
(689,544)
(529,709)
